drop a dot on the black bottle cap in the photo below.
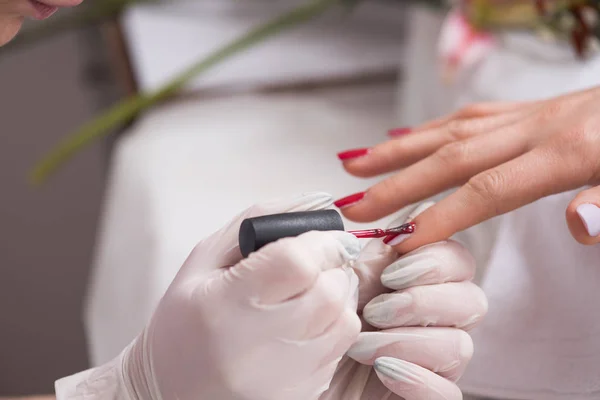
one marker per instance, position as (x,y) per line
(260,231)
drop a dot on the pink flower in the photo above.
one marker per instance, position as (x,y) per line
(461,46)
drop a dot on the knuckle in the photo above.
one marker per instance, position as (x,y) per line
(550,110)
(472,110)
(578,147)
(458,129)
(454,153)
(384,190)
(488,186)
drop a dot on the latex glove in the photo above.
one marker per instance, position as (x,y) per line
(502,156)
(272,326)
(423,303)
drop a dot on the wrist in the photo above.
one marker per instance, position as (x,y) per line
(127,377)
(136,370)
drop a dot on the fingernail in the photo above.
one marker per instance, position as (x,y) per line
(410,269)
(590,216)
(398,239)
(399,132)
(349,200)
(389,238)
(397,370)
(385,309)
(354,153)
(368,344)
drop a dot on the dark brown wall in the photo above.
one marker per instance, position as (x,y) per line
(47,234)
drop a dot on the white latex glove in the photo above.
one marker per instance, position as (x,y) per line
(272,326)
(422,347)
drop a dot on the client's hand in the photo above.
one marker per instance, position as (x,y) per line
(272,326)
(504,155)
(422,304)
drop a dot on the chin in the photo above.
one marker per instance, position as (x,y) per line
(9,27)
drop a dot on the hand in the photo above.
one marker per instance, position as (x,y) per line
(272,326)
(422,304)
(502,155)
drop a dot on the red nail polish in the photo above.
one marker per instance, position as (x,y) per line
(389,238)
(399,132)
(349,200)
(354,153)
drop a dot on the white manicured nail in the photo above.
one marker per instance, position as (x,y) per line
(590,216)
(384,309)
(397,370)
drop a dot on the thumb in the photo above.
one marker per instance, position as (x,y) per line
(583,216)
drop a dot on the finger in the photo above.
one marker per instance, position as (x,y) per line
(523,180)
(476,110)
(288,267)
(412,382)
(336,341)
(376,256)
(445,351)
(222,247)
(451,166)
(460,305)
(583,216)
(433,264)
(312,313)
(407,150)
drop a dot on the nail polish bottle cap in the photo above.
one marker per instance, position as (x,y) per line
(260,231)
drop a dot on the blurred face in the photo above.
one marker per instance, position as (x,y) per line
(13,12)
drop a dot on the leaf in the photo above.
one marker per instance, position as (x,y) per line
(129,108)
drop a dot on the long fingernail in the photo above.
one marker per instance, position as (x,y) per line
(386,308)
(397,370)
(354,153)
(409,269)
(590,216)
(399,132)
(349,200)
(368,344)
(395,240)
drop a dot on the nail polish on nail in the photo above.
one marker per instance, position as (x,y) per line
(349,200)
(397,370)
(399,132)
(368,344)
(590,216)
(411,270)
(352,154)
(397,239)
(389,238)
(387,310)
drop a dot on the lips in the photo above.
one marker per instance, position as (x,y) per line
(41,10)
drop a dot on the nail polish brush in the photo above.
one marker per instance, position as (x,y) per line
(260,231)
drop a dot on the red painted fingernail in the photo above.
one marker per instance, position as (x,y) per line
(349,200)
(389,238)
(354,153)
(399,132)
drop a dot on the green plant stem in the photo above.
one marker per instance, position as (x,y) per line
(127,109)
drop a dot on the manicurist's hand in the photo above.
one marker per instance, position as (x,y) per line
(501,156)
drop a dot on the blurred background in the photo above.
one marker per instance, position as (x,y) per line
(86,256)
